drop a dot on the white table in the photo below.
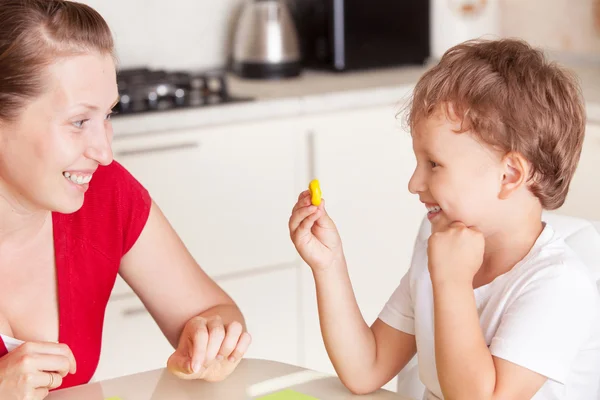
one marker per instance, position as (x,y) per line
(252,379)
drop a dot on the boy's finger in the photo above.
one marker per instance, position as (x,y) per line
(299,215)
(308,222)
(302,202)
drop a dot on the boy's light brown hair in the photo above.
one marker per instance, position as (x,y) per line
(508,94)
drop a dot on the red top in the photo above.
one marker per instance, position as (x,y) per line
(88,247)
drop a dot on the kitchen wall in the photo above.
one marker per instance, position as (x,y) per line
(195,33)
(170,33)
(568,27)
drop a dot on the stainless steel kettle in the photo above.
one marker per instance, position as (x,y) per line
(265,44)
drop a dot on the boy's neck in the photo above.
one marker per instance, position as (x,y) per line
(506,248)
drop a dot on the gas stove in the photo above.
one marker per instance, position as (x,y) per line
(143,90)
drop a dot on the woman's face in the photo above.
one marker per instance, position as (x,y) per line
(49,154)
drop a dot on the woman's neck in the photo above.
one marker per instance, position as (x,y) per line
(20,225)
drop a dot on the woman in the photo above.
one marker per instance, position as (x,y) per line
(71,218)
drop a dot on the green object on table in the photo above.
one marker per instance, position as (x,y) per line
(287,394)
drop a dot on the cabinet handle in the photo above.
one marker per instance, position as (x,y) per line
(130,312)
(158,149)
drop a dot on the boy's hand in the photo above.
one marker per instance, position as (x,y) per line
(455,254)
(314,234)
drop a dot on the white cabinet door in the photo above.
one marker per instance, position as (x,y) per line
(583,199)
(227,191)
(132,342)
(269,302)
(364,160)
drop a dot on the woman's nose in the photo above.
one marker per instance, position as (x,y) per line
(100,148)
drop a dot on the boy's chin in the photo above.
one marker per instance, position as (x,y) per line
(438,224)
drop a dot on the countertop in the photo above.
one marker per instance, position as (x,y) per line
(251,380)
(313,92)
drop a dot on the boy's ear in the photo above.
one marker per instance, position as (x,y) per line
(515,170)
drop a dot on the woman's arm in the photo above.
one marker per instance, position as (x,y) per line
(170,283)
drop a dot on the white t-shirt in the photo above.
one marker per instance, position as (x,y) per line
(544,315)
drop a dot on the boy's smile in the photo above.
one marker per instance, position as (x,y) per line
(458,178)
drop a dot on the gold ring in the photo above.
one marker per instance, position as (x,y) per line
(51,379)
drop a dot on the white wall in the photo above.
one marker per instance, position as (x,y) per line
(189,34)
(195,34)
(564,26)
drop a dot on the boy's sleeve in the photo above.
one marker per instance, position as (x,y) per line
(546,324)
(398,311)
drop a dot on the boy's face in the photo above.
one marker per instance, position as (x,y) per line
(457,176)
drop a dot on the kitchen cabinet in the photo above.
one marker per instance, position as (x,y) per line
(583,199)
(364,160)
(270,302)
(133,342)
(227,191)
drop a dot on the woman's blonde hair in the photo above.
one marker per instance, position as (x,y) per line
(33,34)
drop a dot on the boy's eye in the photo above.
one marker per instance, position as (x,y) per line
(433,164)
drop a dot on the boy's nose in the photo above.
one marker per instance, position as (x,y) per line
(416,184)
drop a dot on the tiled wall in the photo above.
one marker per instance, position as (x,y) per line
(195,33)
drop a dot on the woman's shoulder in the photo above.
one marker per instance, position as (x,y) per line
(116,207)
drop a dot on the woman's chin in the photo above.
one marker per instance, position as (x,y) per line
(68,204)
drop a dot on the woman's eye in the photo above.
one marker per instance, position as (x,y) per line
(110,114)
(79,124)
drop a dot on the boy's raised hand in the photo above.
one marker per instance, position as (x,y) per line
(455,254)
(314,234)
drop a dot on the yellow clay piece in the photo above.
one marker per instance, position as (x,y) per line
(315,192)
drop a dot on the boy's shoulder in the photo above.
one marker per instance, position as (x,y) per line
(552,267)
(551,256)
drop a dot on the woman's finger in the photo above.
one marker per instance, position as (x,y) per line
(216,335)
(46,362)
(241,348)
(198,344)
(51,348)
(44,380)
(40,393)
(232,336)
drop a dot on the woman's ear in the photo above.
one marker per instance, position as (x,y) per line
(515,174)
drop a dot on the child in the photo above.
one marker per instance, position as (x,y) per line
(495,304)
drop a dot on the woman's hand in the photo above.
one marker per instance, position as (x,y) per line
(208,349)
(33,368)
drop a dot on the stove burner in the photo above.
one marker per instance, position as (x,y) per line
(144,90)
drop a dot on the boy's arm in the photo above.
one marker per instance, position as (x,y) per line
(539,335)
(466,368)
(365,358)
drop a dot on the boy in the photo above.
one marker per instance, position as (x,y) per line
(495,304)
